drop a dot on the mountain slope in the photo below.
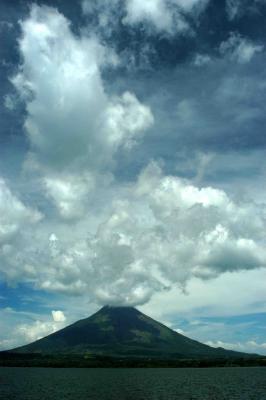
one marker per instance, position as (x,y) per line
(124,332)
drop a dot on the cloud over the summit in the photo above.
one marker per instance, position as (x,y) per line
(159,232)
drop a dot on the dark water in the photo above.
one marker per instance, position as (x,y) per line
(132,384)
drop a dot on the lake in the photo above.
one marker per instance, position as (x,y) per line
(132,384)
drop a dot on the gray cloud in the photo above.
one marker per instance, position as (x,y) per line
(13,214)
(237,8)
(157,16)
(239,49)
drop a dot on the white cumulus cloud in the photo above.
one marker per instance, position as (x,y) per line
(158,232)
(66,99)
(29,332)
(75,128)
(58,316)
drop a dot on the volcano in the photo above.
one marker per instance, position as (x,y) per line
(122,332)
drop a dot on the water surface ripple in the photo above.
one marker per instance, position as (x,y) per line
(133,384)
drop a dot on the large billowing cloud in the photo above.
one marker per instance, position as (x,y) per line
(116,243)
(70,117)
(159,232)
(75,128)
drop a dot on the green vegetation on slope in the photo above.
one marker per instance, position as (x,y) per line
(123,332)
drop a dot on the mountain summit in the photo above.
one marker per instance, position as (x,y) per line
(122,332)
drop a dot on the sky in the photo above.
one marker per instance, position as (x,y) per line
(132,166)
